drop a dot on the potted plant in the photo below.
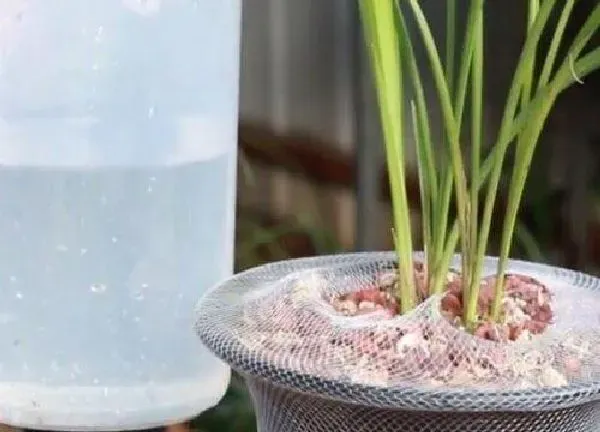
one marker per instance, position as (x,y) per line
(430,341)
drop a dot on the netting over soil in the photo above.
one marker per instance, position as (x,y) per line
(297,324)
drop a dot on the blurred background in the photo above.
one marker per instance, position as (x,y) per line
(312,178)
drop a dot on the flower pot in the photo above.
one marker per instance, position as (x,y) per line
(310,368)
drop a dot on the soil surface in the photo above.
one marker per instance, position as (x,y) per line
(526,304)
(361,337)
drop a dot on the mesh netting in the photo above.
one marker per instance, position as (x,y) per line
(296,324)
(283,410)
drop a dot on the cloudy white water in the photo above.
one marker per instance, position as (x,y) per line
(117,177)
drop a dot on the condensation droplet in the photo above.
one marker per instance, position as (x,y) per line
(83,251)
(114,239)
(150,112)
(95,380)
(13,279)
(19,295)
(62,248)
(136,319)
(98,288)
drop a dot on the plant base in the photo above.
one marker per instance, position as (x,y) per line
(282,410)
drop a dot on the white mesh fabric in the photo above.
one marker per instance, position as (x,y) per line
(276,322)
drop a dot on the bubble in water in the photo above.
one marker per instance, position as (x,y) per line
(13,279)
(82,251)
(98,288)
(138,295)
(114,239)
(19,295)
(95,380)
(76,369)
(150,112)
(143,7)
(99,34)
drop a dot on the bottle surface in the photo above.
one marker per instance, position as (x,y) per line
(118,125)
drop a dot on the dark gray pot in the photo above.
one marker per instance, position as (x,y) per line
(282,410)
(288,400)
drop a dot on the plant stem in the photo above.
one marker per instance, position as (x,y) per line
(466,60)
(470,317)
(555,44)
(528,105)
(442,204)
(526,89)
(530,136)
(502,143)
(532,11)
(422,134)
(582,67)
(448,115)
(384,47)
(450,42)
(424,189)
(441,233)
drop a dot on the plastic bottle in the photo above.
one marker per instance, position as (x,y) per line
(118,133)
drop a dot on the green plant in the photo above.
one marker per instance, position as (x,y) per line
(530,99)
